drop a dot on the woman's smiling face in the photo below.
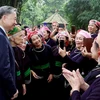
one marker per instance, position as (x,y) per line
(36,41)
(79,40)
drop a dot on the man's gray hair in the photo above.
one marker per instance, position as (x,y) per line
(4,10)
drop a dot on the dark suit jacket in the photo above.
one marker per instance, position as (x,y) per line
(92,93)
(7,68)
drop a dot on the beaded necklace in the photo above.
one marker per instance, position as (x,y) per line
(38,49)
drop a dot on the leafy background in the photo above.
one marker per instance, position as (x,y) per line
(75,12)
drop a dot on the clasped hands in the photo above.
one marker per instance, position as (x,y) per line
(75,80)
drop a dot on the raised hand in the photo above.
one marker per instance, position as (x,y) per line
(72,78)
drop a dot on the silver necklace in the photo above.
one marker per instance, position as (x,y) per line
(23,54)
(39,50)
(48,40)
(77,51)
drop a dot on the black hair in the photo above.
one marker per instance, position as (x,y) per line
(58,40)
(61,25)
(25,27)
(25,31)
(30,40)
(48,32)
(19,24)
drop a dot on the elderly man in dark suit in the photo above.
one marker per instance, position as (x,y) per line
(8,89)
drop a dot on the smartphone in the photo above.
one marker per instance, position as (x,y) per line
(73,29)
(61,44)
(88,43)
(61,25)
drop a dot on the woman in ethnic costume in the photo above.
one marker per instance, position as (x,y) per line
(42,66)
(16,38)
(76,81)
(76,59)
(58,83)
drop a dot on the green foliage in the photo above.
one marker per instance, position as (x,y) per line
(38,10)
(76,12)
(80,12)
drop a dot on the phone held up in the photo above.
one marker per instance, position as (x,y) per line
(73,29)
(88,43)
(61,42)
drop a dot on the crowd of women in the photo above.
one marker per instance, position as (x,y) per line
(40,59)
(53,63)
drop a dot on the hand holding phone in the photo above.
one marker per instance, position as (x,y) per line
(61,42)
